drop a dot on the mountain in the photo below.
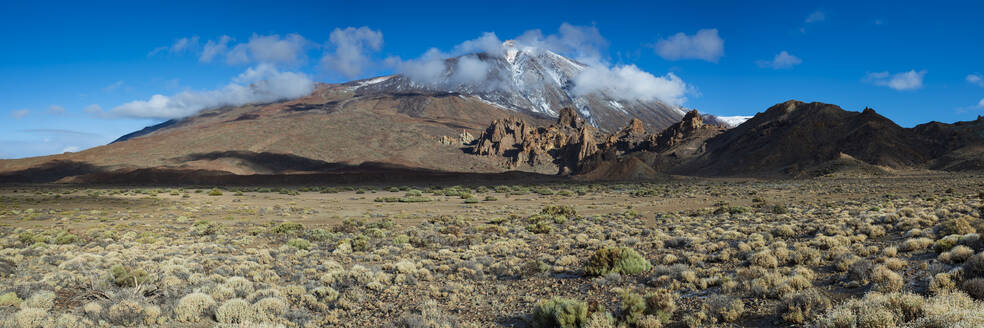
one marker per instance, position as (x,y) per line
(530,80)
(331,127)
(792,137)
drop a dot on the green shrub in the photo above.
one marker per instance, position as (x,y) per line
(320,235)
(622,260)
(360,243)
(472,200)
(633,308)
(490,198)
(287,228)
(299,243)
(205,228)
(560,312)
(65,238)
(10,299)
(127,277)
(559,210)
(539,227)
(215,192)
(415,199)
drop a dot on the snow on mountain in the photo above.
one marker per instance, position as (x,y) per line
(527,79)
(728,121)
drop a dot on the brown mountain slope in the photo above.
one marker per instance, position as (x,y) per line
(794,137)
(332,125)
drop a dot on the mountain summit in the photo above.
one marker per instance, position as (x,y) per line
(527,79)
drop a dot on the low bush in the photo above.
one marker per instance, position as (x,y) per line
(127,277)
(560,313)
(622,260)
(299,243)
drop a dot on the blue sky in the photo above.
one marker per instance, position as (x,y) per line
(67,69)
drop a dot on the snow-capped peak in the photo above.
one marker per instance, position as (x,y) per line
(527,79)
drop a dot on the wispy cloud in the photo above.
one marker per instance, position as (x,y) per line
(706,45)
(290,49)
(270,49)
(783,60)
(976,79)
(903,81)
(179,46)
(816,16)
(19,114)
(214,48)
(93,110)
(113,87)
(262,83)
(56,110)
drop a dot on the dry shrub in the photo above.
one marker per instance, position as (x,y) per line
(194,307)
(726,308)
(886,280)
(974,287)
(429,316)
(803,306)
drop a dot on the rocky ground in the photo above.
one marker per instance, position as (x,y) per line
(830,252)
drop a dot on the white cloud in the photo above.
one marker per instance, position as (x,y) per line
(19,114)
(783,60)
(980,104)
(70,149)
(214,48)
(816,16)
(631,83)
(352,49)
(704,45)
(56,110)
(583,43)
(262,83)
(976,78)
(488,43)
(428,69)
(910,80)
(470,69)
(179,46)
(270,49)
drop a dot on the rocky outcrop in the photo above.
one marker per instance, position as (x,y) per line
(685,137)
(627,139)
(464,138)
(560,146)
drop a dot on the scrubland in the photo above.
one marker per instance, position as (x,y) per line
(880,252)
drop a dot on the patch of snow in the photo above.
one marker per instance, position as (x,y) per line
(616,105)
(371,82)
(732,121)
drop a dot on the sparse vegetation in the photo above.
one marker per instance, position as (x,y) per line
(607,255)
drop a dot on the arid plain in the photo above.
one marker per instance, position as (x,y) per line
(832,252)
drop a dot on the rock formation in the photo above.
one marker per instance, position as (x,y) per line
(562,145)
